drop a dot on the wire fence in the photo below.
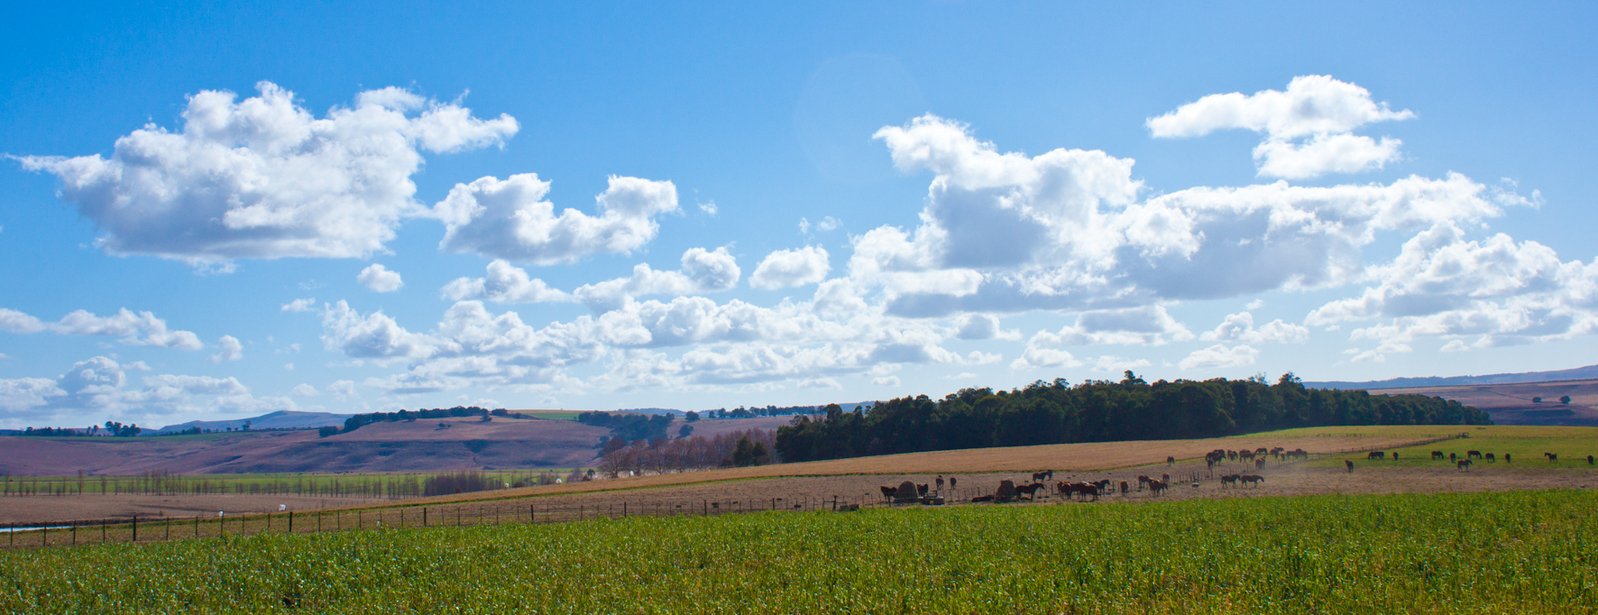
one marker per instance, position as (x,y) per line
(136,529)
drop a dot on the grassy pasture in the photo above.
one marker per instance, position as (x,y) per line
(1490,552)
(1526,443)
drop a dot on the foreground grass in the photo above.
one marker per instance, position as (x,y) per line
(1525,551)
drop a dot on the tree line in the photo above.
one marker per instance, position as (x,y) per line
(1100,411)
(357,421)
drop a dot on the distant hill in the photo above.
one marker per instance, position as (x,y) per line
(282,419)
(1580,373)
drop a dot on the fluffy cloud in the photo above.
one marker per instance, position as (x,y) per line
(266,178)
(1219,356)
(788,268)
(702,271)
(1307,127)
(100,386)
(511,219)
(129,327)
(379,279)
(14,321)
(1239,327)
(305,304)
(1076,237)
(504,283)
(370,336)
(983,327)
(229,348)
(1493,292)
(1046,349)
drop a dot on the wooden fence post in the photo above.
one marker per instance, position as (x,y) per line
(291,522)
(135,528)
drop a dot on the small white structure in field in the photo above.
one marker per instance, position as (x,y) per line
(219,513)
(282,507)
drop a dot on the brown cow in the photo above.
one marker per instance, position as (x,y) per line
(1491,459)
(1376,455)
(1437,455)
(1157,486)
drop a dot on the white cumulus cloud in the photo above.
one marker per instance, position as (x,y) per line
(1307,127)
(264,177)
(229,348)
(511,219)
(788,268)
(380,279)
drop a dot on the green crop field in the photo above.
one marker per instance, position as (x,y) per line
(1489,552)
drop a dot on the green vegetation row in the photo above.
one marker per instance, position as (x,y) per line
(1102,411)
(1490,552)
(307,484)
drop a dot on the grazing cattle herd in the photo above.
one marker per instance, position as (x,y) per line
(1092,490)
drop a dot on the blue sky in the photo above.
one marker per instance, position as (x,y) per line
(210,212)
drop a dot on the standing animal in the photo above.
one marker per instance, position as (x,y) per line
(1170,461)
(1395,455)
(1349,463)
(1552,456)
(1143,481)
(940,483)
(1589,460)
(1157,486)
(1452,457)
(1251,479)
(1259,464)
(1507,458)
(1124,488)
(952,481)
(1229,479)
(1298,453)
(887,492)
(1437,455)
(1249,455)
(1376,455)
(1491,458)
(1473,454)
(921,490)
(1464,464)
